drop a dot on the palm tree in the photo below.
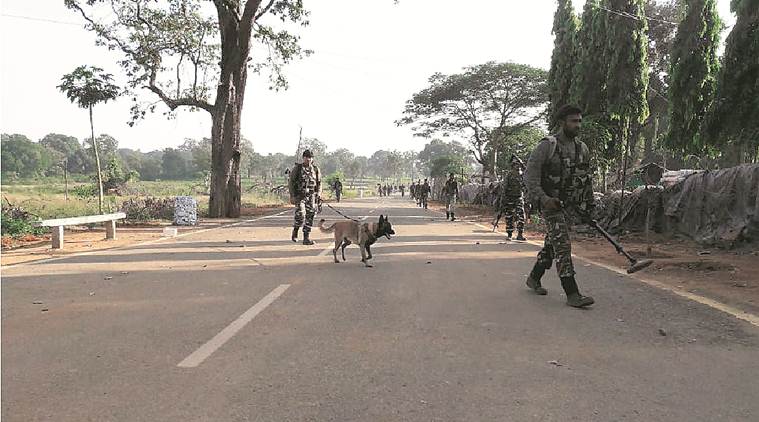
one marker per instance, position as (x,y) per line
(87,86)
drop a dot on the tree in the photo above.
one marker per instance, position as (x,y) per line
(520,143)
(588,88)
(438,149)
(69,147)
(173,165)
(661,37)
(694,71)
(88,86)
(733,120)
(492,98)
(562,59)
(183,50)
(23,157)
(627,75)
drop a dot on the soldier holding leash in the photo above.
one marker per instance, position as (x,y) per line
(559,180)
(305,187)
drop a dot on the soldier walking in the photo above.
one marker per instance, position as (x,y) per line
(450,194)
(337,186)
(559,180)
(305,187)
(511,199)
(424,192)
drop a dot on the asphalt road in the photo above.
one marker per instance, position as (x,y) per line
(241,324)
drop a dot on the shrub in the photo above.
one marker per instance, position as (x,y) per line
(149,208)
(18,222)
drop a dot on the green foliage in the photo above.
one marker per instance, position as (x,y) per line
(519,143)
(148,208)
(18,222)
(24,158)
(734,117)
(85,191)
(694,74)
(437,149)
(563,58)
(588,88)
(173,165)
(88,86)
(627,50)
(488,98)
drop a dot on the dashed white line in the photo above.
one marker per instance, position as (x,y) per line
(197,357)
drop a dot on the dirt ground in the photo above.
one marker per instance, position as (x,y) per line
(83,239)
(728,276)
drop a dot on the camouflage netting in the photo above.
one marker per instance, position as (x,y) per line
(712,207)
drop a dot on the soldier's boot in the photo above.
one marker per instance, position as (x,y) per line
(520,235)
(306,238)
(533,280)
(447,215)
(574,298)
(294,236)
(453,217)
(509,233)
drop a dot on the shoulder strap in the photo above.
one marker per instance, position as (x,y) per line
(552,141)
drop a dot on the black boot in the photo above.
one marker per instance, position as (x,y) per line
(453,217)
(306,239)
(533,280)
(508,234)
(294,236)
(519,235)
(574,298)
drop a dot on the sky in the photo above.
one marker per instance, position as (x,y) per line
(370,57)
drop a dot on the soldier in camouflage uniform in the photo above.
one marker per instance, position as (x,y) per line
(511,199)
(305,187)
(424,194)
(450,194)
(559,181)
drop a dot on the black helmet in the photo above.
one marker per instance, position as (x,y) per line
(308,153)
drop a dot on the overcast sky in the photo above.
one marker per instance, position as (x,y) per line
(370,57)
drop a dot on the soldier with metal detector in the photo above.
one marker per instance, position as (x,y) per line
(559,182)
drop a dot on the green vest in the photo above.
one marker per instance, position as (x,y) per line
(568,176)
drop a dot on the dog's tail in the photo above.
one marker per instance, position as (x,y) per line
(329,229)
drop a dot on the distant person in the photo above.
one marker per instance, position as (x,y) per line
(403,191)
(511,199)
(425,193)
(337,186)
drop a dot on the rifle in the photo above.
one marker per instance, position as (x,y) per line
(497,219)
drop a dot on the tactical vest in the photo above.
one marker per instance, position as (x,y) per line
(567,177)
(303,180)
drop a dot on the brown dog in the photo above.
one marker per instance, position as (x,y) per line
(360,233)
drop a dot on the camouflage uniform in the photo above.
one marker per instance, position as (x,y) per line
(305,186)
(424,193)
(560,169)
(450,194)
(511,201)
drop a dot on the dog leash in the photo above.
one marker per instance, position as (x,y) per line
(337,211)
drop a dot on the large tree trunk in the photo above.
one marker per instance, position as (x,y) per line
(226,191)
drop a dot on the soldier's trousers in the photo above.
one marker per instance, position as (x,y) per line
(450,204)
(557,244)
(423,201)
(513,210)
(304,212)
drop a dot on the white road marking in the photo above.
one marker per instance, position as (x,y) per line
(735,312)
(204,351)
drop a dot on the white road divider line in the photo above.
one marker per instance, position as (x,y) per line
(197,357)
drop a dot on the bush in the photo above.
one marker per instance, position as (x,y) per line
(149,208)
(17,222)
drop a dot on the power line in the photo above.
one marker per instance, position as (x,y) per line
(633,17)
(30,18)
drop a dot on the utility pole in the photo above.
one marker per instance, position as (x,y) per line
(66,176)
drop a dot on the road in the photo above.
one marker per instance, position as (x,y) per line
(241,324)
